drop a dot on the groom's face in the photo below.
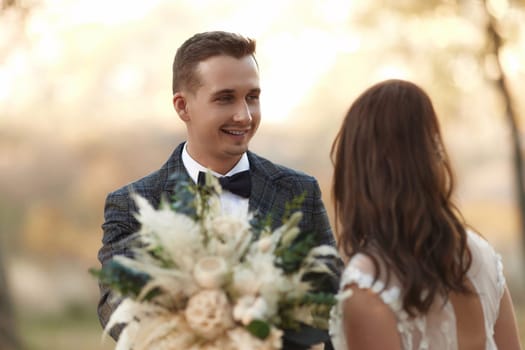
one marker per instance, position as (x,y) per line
(223,113)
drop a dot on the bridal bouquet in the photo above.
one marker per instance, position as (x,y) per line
(203,279)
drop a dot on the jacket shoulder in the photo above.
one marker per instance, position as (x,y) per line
(153,185)
(145,186)
(280,174)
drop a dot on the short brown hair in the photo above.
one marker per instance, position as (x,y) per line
(202,46)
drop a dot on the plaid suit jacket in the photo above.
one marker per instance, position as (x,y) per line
(272,187)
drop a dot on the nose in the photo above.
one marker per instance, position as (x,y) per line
(243,114)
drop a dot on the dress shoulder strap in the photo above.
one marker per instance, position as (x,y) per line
(486,274)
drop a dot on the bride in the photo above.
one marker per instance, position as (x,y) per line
(417,277)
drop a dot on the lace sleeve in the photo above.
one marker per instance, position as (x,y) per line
(486,273)
(500,278)
(493,260)
(361,273)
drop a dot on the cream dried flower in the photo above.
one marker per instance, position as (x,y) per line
(209,313)
(230,228)
(169,343)
(258,276)
(242,340)
(303,314)
(249,308)
(210,272)
(221,343)
(163,332)
(265,244)
(229,237)
(245,280)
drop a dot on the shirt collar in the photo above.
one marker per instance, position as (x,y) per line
(193,167)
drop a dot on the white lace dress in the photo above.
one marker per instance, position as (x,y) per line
(437,329)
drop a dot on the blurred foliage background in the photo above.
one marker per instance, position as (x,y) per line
(85,107)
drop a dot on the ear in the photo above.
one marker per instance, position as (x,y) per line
(179,103)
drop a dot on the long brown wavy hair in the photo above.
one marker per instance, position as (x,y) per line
(392,190)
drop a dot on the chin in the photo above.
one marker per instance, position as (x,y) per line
(237,150)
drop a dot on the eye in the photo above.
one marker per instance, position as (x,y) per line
(225,98)
(254,97)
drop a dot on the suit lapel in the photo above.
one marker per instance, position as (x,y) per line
(175,170)
(263,193)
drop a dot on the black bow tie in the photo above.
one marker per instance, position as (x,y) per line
(239,184)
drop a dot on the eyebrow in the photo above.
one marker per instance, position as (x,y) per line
(232,91)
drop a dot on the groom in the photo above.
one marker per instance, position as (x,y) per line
(216,94)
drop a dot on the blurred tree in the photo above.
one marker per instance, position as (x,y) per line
(495,41)
(8,333)
(8,338)
(8,3)
(22,7)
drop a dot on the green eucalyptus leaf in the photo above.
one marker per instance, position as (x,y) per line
(259,329)
(125,280)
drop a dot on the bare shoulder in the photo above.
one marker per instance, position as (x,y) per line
(368,322)
(506,333)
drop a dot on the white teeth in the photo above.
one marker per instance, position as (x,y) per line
(238,133)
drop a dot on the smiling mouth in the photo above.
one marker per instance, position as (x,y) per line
(235,132)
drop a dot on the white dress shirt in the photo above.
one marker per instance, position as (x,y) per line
(230,202)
